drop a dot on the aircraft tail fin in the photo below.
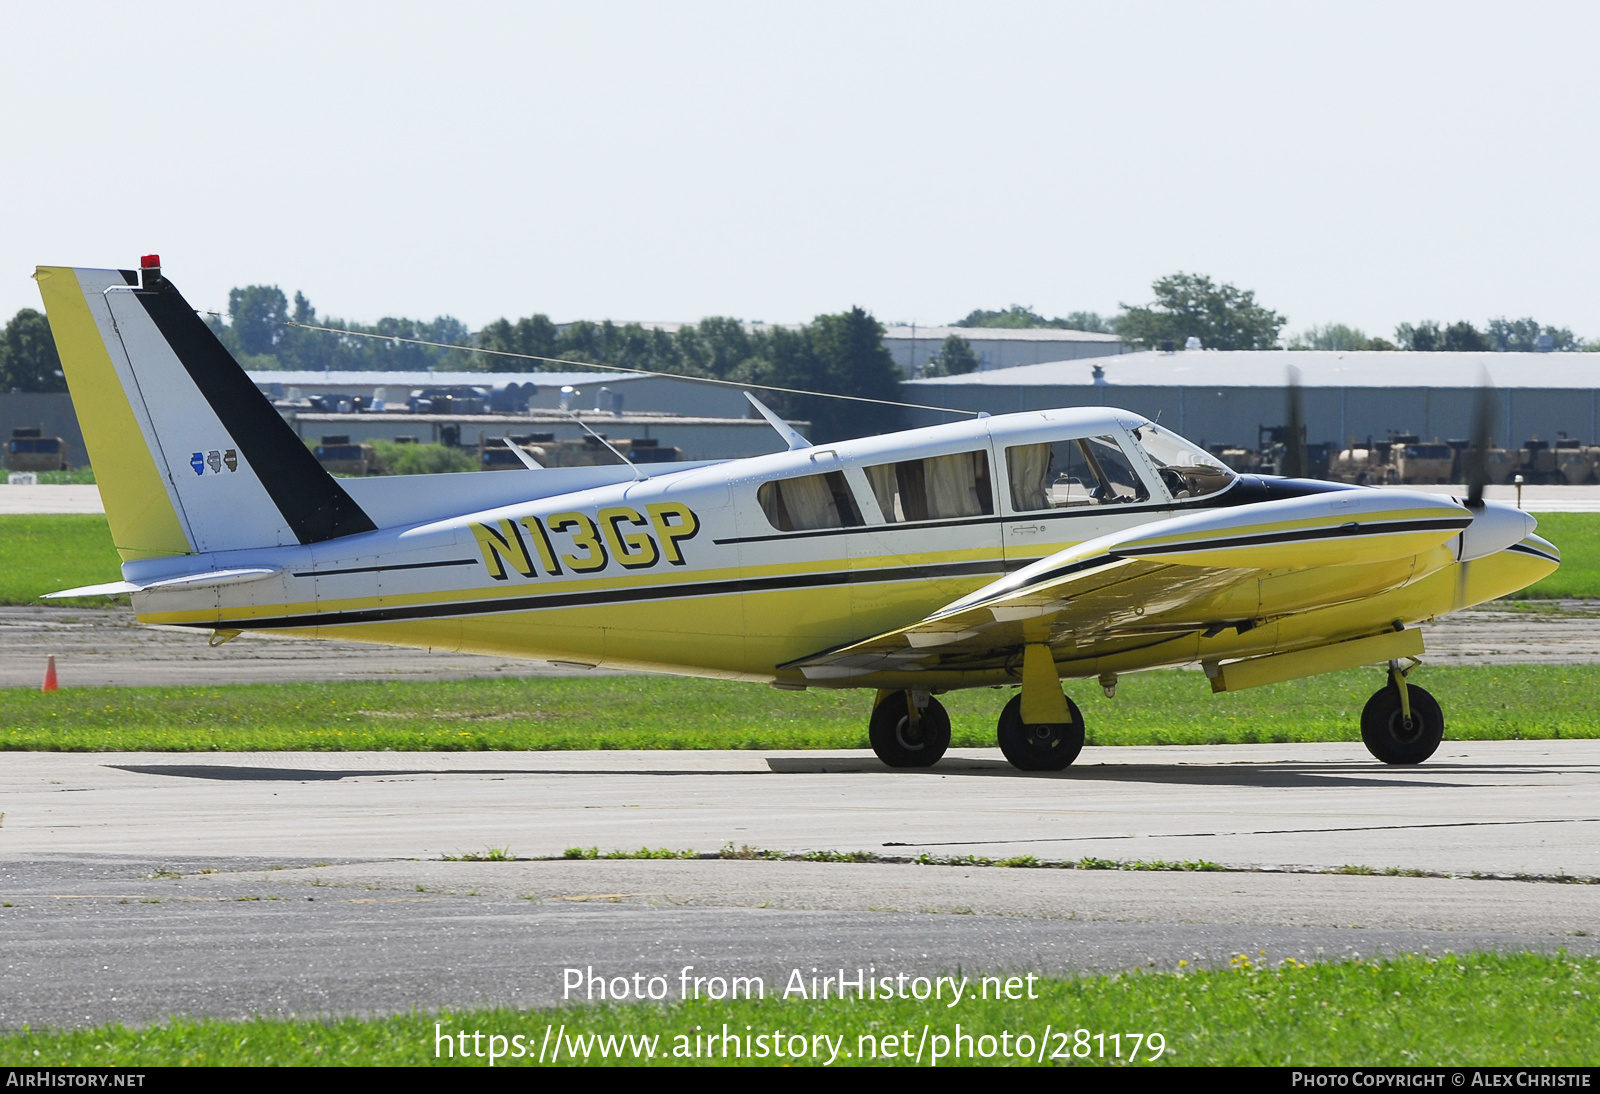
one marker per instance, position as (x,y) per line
(190,457)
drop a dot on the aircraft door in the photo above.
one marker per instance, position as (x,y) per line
(930,536)
(1060,492)
(792,527)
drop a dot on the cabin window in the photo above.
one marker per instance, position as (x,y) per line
(1186,471)
(812,501)
(1064,474)
(934,488)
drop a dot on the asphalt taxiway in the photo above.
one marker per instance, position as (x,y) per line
(133,886)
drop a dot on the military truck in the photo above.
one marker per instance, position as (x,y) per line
(1577,462)
(29,450)
(1403,459)
(339,457)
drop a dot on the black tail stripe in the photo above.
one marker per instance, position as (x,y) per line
(313,503)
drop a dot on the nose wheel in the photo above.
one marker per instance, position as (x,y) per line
(1039,747)
(1401,723)
(905,733)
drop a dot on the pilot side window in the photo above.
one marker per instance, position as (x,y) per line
(812,501)
(1064,474)
(934,488)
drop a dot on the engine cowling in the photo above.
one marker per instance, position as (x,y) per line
(1495,526)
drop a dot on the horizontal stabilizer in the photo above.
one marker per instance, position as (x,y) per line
(110,588)
(182,582)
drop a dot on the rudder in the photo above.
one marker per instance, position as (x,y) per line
(189,455)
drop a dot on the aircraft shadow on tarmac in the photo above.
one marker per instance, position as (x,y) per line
(1291,776)
(1275,776)
(236,773)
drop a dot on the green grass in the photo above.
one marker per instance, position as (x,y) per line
(488,854)
(641,853)
(1482,1009)
(45,554)
(78,476)
(1577,535)
(1511,702)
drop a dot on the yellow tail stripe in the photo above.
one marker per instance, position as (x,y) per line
(138,507)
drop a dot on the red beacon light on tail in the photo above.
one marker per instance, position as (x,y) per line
(150,262)
(149,270)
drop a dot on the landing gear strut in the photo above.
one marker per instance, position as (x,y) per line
(1401,723)
(909,729)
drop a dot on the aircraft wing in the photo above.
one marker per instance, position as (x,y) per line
(1200,572)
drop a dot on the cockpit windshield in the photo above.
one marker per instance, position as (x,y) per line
(1187,471)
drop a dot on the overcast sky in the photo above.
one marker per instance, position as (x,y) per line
(1361,163)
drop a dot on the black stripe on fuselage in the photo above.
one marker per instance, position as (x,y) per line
(312,502)
(597,597)
(1524,549)
(387,569)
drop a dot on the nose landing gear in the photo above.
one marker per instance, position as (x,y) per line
(1401,723)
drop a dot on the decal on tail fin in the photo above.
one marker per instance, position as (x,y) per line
(189,455)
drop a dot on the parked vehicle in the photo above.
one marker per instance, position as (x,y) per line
(339,457)
(29,450)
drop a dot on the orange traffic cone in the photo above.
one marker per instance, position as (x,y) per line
(50,675)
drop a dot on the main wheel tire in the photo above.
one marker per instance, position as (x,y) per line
(1386,734)
(898,743)
(1041,747)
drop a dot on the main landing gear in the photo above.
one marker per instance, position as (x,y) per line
(909,728)
(1040,729)
(1401,723)
(903,741)
(1043,746)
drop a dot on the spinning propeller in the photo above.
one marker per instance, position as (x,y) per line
(1475,468)
(1476,462)
(1293,465)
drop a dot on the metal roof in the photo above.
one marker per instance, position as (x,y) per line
(1318,368)
(999,334)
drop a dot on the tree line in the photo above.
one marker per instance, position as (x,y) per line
(1185,306)
(1224,317)
(839,354)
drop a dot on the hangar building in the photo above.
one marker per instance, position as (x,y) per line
(1223,397)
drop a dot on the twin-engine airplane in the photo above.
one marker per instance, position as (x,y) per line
(1013,550)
